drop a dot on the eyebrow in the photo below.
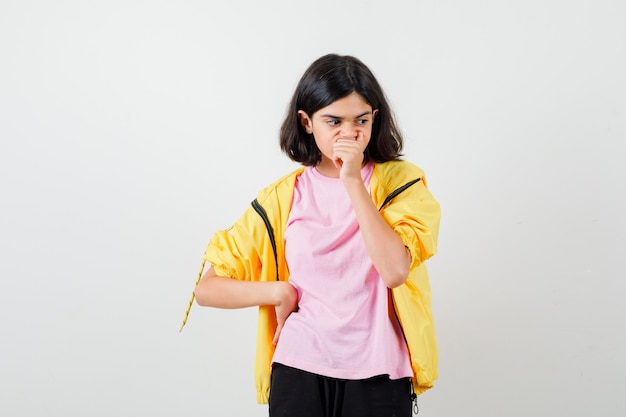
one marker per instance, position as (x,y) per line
(330,116)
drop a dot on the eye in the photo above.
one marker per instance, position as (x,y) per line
(333,122)
(362,121)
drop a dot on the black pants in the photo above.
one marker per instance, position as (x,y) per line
(296,393)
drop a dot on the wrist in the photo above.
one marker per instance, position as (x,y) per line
(283,292)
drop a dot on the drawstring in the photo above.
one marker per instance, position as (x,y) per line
(193,295)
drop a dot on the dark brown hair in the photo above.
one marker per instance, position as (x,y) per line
(327,80)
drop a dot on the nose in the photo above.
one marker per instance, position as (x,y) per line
(349,132)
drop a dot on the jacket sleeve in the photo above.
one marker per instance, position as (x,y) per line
(414,215)
(234,252)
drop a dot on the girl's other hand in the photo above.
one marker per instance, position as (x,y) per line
(287,297)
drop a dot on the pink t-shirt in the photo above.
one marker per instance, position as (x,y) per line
(345,326)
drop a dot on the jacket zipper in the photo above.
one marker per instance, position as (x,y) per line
(270,230)
(397,191)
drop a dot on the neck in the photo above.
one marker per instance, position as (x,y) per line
(328,169)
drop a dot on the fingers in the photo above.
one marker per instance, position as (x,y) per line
(348,155)
(288,305)
(347,148)
(356,143)
(277,334)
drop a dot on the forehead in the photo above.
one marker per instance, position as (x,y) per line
(350,106)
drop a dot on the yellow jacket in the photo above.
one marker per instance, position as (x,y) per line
(245,251)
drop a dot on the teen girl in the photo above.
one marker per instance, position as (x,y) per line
(333,254)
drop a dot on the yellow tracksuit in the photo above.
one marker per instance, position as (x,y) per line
(244,251)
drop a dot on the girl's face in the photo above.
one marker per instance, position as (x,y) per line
(348,118)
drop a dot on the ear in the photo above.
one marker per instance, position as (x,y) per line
(305,121)
(374,113)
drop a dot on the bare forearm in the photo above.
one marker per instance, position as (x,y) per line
(221,292)
(387,251)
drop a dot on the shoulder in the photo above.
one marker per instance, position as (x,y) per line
(396,173)
(281,188)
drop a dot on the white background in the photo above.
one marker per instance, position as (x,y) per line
(131,130)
